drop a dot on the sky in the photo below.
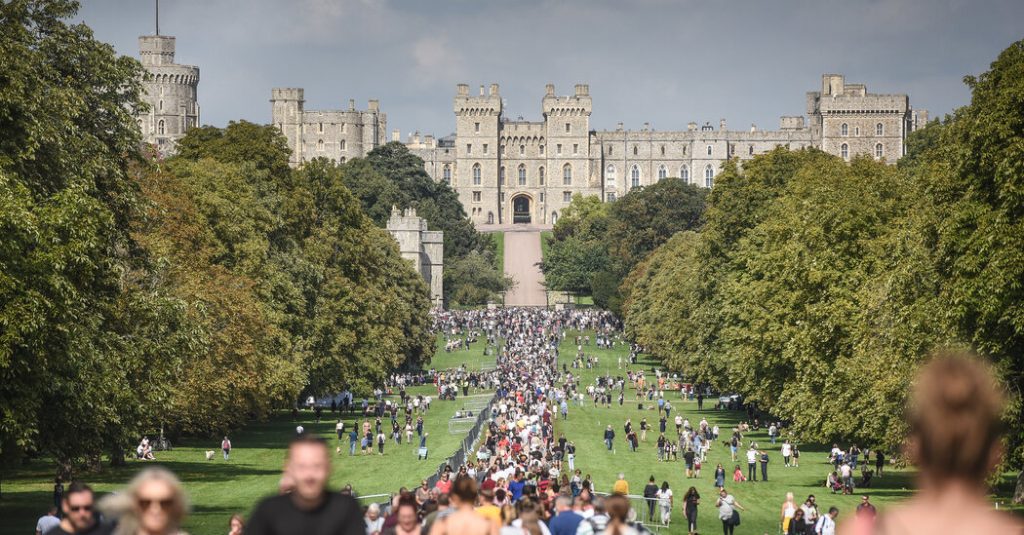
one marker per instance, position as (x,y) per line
(664,62)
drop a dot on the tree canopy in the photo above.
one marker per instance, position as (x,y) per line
(817,287)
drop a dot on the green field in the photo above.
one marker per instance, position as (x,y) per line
(585,426)
(219,489)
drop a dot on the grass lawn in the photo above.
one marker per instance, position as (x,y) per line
(585,426)
(218,488)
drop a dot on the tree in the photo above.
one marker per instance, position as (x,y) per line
(80,333)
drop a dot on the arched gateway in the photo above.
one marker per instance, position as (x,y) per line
(521,209)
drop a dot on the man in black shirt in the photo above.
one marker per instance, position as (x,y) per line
(310,508)
(80,516)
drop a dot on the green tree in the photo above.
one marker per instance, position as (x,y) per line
(85,349)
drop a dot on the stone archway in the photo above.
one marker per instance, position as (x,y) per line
(521,209)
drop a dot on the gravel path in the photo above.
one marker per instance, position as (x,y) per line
(522,254)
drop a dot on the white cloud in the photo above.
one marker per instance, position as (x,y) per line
(435,60)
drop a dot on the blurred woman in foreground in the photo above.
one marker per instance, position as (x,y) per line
(955,441)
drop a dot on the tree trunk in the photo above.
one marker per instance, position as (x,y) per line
(1018,494)
(117,456)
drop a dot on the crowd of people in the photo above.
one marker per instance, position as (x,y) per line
(522,477)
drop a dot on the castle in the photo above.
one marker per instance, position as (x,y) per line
(424,248)
(517,171)
(170,91)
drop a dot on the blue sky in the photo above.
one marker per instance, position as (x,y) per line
(666,62)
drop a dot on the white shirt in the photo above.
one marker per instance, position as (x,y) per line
(787,450)
(825,526)
(751,456)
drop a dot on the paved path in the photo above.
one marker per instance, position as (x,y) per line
(522,254)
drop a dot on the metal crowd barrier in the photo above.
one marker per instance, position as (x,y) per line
(638,511)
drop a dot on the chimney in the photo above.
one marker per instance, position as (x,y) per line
(462,90)
(753,128)
(396,135)
(481,90)
(351,104)
(549,90)
(374,105)
(618,127)
(721,124)
(494,90)
(691,126)
(647,126)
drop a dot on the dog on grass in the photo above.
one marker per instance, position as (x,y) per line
(210,454)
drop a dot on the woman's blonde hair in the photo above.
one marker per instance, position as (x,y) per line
(122,505)
(955,418)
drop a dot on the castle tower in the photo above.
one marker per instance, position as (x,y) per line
(477,152)
(567,126)
(421,247)
(170,91)
(286,115)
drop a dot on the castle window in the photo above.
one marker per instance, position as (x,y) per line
(878,150)
(609,175)
(558,149)
(750,150)
(856,131)
(566,196)
(321,126)
(663,150)
(568,128)
(540,176)
(542,196)
(344,145)
(319,144)
(476,196)
(486,148)
(609,150)
(879,129)
(709,150)
(684,150)
(469,148)
(635,150)
(610,196)
(684,173)
(501,197)
(160,127)
(634,177)
(709,176)
(844,151)
(542,150)
(567,175)
(522,150)
(160,106)
(522,175)
(501,149)
(476,127)
(662,172)
(447,174)
(575,148)
(501,176)
(490,218)
(342,160)
(476,174)
(343,128)
(844,129)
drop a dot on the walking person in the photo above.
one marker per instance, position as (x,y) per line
(827,523)
(752,462)
(609,435)
(719,476)
(225,446)
(787,512)
(690,502)
(665,502)
(727,511)
(80,515)
(651,497)
(764,465)
(310,507)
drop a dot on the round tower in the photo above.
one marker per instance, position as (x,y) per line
(170,91)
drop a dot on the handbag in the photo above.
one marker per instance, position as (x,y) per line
(735,520)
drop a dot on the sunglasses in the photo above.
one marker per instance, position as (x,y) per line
(77,508)
(164,504)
